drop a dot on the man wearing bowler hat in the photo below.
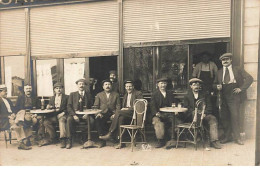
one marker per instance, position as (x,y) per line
(113,80)
(232,82)
(109,102)
(78,101)
(126,113)
(58,102)
(161,98)
(194,94)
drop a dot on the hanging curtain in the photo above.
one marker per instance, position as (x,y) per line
(44,80)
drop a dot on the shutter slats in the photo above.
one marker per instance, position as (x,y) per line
(12,32)
(169,20)
(78,28)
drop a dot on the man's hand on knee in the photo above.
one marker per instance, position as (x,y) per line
(99,115)
(76,118)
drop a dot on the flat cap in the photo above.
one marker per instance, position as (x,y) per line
(58,84)
(128,81)
(3,87)
(81,80)
(112,72)
(195,80)
(225,55)
(163,79)
(106,80)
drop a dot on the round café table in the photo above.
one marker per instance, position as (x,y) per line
(42,112)
(89,143)
(173,110)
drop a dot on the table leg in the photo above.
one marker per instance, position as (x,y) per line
(172,143)
(89,143)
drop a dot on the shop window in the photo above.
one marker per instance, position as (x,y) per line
(14,74)
(46,76)
(73,70)
(173,65)
(138,65)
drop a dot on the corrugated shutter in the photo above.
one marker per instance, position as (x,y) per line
(77,28)
(12,32)
(169,20)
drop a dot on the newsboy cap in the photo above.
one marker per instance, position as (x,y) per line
(226,55)
(81,80)
(163,79)
(193,80)
(58,84)
(112,72)
(2,87)
(106,80)
(128,81)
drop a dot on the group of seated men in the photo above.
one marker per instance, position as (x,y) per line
(21,120)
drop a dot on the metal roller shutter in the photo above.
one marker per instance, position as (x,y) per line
(12,32)
(77,28)
(169,20)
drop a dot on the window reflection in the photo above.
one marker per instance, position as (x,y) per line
(73,70)
(14,74)
(46,76)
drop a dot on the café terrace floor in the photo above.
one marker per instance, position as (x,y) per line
(231,154)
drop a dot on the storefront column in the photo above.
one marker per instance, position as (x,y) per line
(28,64)
(120,60)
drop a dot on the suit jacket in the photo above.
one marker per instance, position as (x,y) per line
(20,104)
(73,102)
(108,105)
(115,86)
(135,95)
(243,79)
(158,101)
(63,105)
(3,109)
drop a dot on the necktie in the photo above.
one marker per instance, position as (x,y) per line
(227,76)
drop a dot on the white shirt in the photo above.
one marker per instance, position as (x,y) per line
(82,93)
(196,95)
(128,100)
(57,101)
(231,74)
(163,93)
(7,105)
(108,94)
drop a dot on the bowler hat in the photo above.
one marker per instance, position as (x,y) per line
(226,55)
(106,80)
(128,81)
(193,80)
(112,72)
(2,87)
(58,84)
(81,80)
(163,79)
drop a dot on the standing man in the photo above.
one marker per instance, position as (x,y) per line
(113,80)
(78,101)
(233,82)
(93,87)
(126,113)
(109,102)
(58,102)
(161,98)
(24,120)
(190,99)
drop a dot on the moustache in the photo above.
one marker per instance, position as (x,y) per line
(108,88)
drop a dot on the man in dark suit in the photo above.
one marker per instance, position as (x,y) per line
(233,82)
(113,80)
(161,98)
(126,113)
(58,102)
(109,102)
(24,120)
(78,101)
(210,121)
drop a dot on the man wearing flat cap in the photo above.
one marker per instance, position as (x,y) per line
(124,115)
(58,102)
(161,98)
(78,101)
(109,102)
(113,80)
(232,82)
(194,94)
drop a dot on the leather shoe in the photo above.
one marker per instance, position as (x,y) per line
(69,143)
(22,146)
(160,144)
(101,144)
(106,137)
(44,142)
(119,146)
(62,143)
(28,143)
(239,142)
(216,145)
(225,140)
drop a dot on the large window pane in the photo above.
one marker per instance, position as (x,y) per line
(174,66)
(14,74)
(73,70)
(46,76)
(138,65)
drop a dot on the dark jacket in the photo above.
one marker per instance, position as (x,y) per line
(20,104)
(108,105)
(3,109)
(63,105)
(158,101)
(115,86)
(135,95)
(243,79)
(73,102)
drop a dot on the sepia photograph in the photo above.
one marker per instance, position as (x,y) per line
(129,83)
